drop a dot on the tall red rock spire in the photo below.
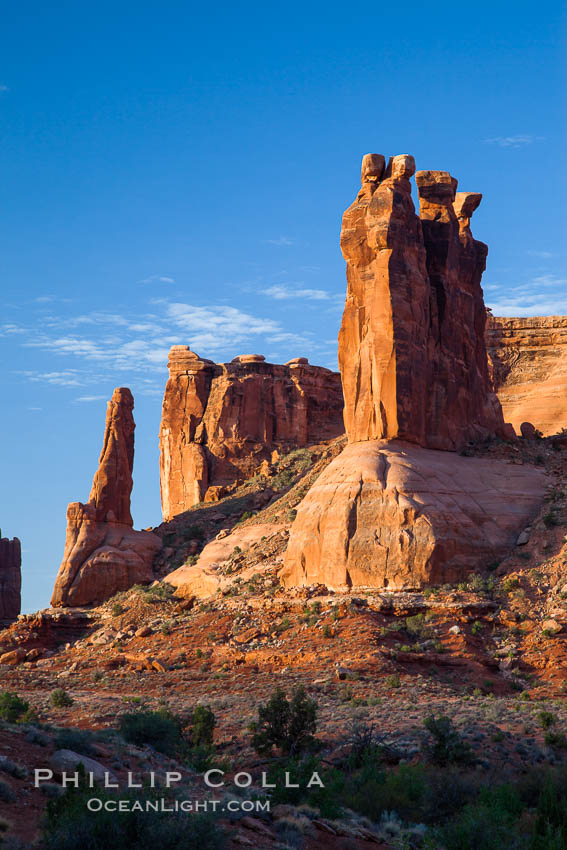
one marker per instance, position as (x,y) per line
(103,554)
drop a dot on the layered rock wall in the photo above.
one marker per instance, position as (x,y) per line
(221,422)
(103,554)
(528,357)
(10,579)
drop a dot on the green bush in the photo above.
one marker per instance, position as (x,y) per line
(78,740)
(117,609)
(60,698)
(546,719)
(202,726)
(12,707)
(69,825)
(446,746)
(160,729)
(288,725)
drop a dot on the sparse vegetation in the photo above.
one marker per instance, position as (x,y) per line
(60,698)
(160,729)
(70,825)
(12,707)
(286,724)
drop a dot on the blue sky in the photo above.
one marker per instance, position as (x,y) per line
(170,174)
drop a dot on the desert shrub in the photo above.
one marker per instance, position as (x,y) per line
(556,740)
(446,746)
(12,707)
(12,768)
(550,519)
(550,830)
(7,795)
(393,681)
(159,592)
(328,799)
(60,698)
(202,725)
(286,724)
(417,626)
(117,609)
(69,825)
(160,729)
(78,740)
(546,719)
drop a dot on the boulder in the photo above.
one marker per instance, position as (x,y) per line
(68,761)
(394,515)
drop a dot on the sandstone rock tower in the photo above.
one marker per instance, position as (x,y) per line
(10,579)
(411,344)
(398,508)
(103,554)
(221,421)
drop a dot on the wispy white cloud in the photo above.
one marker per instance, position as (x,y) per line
(90,398)
(281,241)
(67,378)
(281,292)
(518,141)
(11,328)
(157,278)
(543,295)
(542,255)
(96,347)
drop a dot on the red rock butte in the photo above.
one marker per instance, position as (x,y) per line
(529,367)
(222,421)
(10,579)
(396,509)
(103,554)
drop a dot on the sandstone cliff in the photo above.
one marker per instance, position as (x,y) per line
(10,578)
(221,422)
(529,365)
(397,508)
(411,344)
(103,554)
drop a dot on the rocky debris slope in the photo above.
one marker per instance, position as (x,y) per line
(414,368)
(529,366)
(103,554)
(224,423)
(10,578)
(482,651)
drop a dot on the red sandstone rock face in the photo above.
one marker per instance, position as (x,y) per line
(103,554)
(400,514)
(411,345)
(220,422)
(10,578)
(529,365)
(394,515)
